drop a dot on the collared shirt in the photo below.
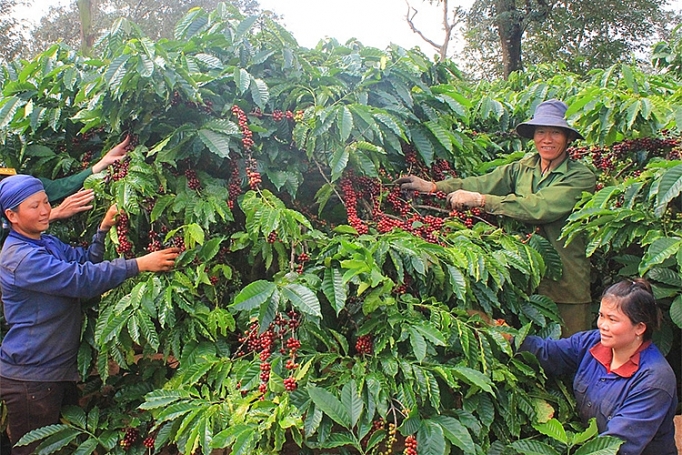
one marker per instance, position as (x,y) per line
(42,282)
(636,402)
(520,191)
(604,356)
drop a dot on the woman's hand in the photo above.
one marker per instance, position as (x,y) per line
(76,203)
(110,218)
(414,183)
(158,261)
(112,156)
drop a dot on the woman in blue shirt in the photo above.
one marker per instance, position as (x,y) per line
(621,378)
(42,281)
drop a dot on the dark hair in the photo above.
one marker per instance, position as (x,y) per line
(636,300)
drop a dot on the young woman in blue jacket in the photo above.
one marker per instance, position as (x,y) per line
(620,376)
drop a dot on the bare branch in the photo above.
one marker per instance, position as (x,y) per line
(410,21)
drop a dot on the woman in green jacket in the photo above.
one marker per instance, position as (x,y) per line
(540,190)
(66,189)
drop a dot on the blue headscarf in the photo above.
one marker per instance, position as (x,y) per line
(16,189)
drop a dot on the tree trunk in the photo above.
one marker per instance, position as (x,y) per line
(509,23)
(85,8)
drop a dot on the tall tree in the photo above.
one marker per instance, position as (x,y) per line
(507,20)
(85,8)
(12,30)
(586,34)
(581,34)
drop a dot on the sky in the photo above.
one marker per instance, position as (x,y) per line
(376,23)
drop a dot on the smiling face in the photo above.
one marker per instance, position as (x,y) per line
(616,329)
(551,143)
(32,217)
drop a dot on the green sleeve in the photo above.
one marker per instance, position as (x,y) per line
(548,203)
(66,186)
(497,181)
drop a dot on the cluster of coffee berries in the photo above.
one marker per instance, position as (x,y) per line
(118,170)
(253,174)
(176,99)
(301,260)
(292,347)
(369,191)
(607,159)
(364,345)
(192,180)
(272,237)
(278,115)
(298,116)
(441,170)
(148,203)
(234,188)
(131,435)
(243,122)
(133,142)
(125,246)
(80,139)
(410,445)
(86,159)
(378,424)
(281,331)
(398,202)
(149,442)
(404,287)
(290,384)
(351,200)
(469,217)
(178,242)
(391,439)
(154,242)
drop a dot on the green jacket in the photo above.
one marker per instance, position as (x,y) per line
(520,191)
(65,186)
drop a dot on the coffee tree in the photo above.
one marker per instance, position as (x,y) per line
(315,307)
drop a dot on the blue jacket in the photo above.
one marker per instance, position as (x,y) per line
(638,409)
(42,282)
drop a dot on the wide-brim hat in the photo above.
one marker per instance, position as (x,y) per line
(548,113)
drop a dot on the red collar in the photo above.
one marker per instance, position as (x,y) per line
(604,355)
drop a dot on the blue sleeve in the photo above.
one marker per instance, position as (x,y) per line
(94,253)
(40,271)
(562,356)
(639,418)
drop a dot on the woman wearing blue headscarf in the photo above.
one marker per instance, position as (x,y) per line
(42,281)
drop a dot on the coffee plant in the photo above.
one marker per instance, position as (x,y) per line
(317,308)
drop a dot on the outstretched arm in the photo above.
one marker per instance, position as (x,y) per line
(112,156)
(76,203)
